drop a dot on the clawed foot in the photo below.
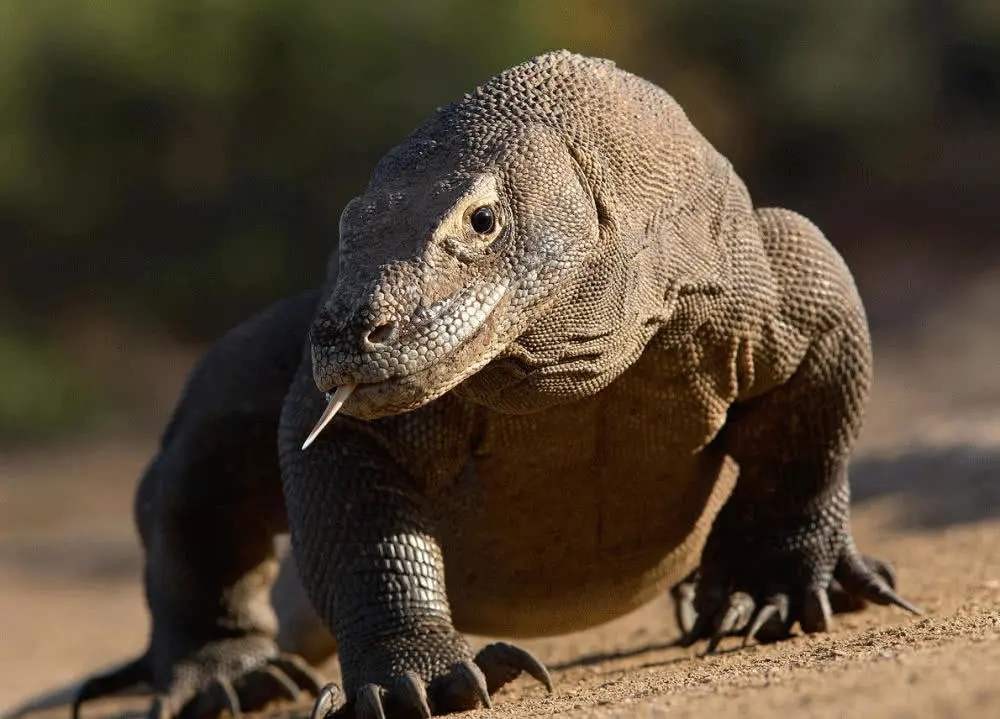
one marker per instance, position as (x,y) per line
(467,684)
(717,602)
(283,677)
(230,675)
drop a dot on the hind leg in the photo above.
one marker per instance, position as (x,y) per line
(208,510)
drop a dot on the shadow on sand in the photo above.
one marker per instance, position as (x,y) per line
(938,486)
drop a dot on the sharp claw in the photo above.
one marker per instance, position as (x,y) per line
(123,677)
(883,569)
(775,608)
(327,699)
(494,656)
(858,576)
(474,677)
(368,704)
(232,700)
(726,624)
(881,593)
(300,672)
(284,682)
(736,616)
(527,661)
(843,601)
(817,616)
(413,693)
(903,604)
(687,615)
(765,613)
(699,630)
(744,605)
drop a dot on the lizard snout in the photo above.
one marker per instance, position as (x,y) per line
(377,346)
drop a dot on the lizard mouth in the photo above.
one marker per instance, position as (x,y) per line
(367,399)
(430,336)
(333,404)
(366,392)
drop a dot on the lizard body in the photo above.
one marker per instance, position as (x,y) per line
(579,366)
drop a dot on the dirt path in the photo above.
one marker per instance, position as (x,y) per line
(927,498)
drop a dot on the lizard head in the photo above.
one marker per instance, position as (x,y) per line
(521,247)
(456,247)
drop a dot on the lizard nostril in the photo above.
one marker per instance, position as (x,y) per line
(381,333)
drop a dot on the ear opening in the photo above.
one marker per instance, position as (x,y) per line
(590,174)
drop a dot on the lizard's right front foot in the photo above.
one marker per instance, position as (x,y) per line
(224,675)
(461,685)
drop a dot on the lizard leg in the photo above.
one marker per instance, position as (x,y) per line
(208,509)
(366,548)
(783,540)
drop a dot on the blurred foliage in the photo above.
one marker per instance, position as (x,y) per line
(186,160)
(43,392)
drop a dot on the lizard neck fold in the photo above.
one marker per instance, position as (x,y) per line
(649,257)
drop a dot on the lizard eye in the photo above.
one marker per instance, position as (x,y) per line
(483,220)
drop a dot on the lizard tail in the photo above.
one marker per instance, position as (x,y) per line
(116,680)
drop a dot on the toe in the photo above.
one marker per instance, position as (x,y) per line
(461,689)
(859,577)
(368,702)
(410,695)
(771,621)
(502,663)
(684,609)
(328,700)
(816,614)
(708,605)
(732,619)
(881,568)
(843,601)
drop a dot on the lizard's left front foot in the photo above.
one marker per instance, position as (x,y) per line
(464,685)
(759,588)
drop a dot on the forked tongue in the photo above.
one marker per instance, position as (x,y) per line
(336,402)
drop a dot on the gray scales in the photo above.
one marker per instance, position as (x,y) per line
(577,369)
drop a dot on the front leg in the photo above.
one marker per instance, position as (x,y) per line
(782,545)
(371,562)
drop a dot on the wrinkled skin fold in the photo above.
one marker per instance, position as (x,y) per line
(560,365)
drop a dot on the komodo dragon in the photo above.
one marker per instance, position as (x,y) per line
(576,368)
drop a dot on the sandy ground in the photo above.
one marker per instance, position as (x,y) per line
(927,498)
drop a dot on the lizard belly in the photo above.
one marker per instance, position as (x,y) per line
(573,516)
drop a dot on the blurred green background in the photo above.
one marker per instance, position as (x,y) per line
(167,167)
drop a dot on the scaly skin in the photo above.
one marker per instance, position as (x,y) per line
(555,413)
